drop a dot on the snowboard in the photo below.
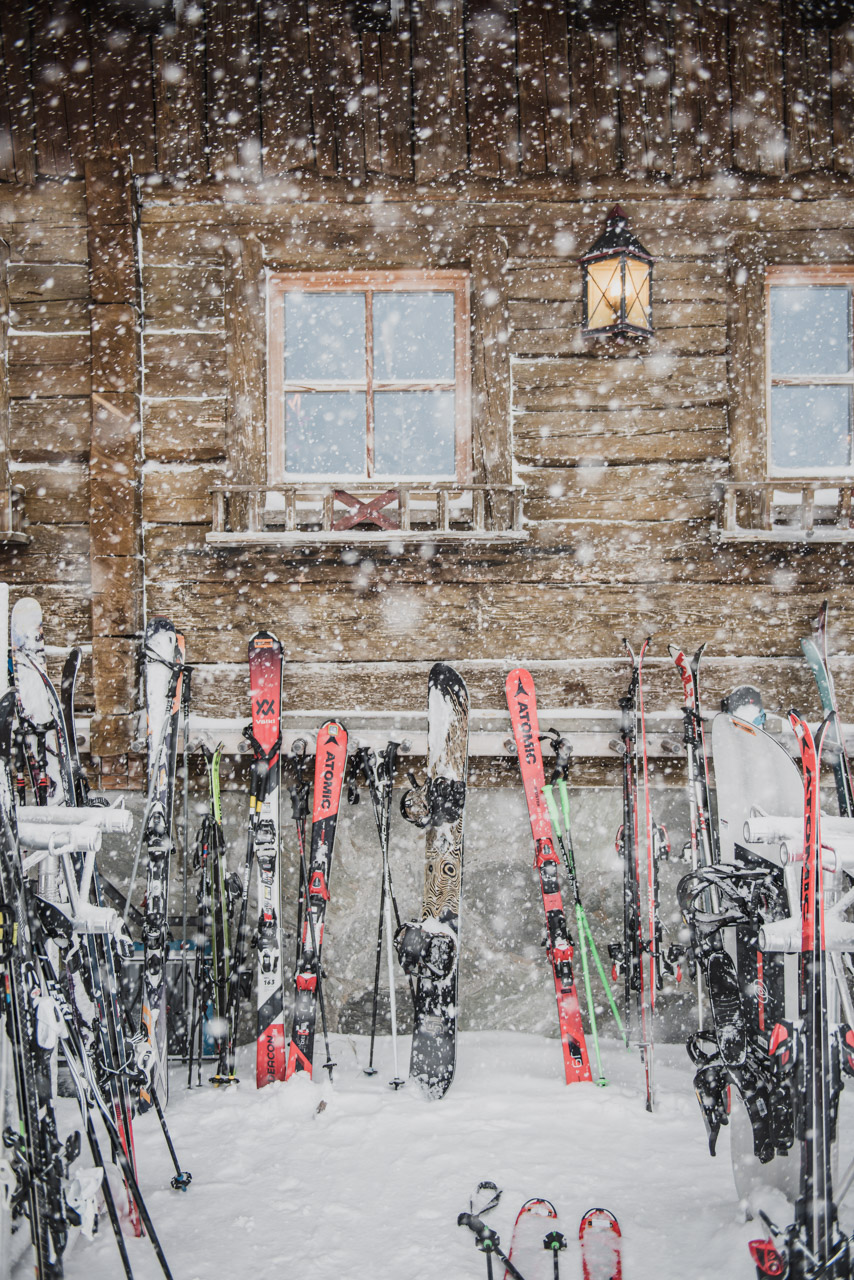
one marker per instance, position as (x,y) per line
(534,1233)
(429,950)
(601,1240)
(522,701)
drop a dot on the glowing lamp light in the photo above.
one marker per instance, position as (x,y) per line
(616,277)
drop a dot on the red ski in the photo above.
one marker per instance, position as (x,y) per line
(536,1242)
(600,1237)
(265,688)
(329,767)
(522,701)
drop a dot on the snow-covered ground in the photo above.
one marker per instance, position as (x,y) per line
(354,1180)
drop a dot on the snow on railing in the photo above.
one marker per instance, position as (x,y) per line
(783,511)
(372,511)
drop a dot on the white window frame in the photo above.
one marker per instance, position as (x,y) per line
(802,274)
(280,283)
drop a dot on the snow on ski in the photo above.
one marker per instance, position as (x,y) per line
(522,702)
(428,950)
(601,1246)
(535,1241)
(265,735)
(329,766)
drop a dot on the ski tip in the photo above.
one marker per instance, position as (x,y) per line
(598,1220)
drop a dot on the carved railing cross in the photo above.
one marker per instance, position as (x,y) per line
(369,512)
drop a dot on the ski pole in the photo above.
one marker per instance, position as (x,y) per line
(328,1064)
(555,1241)
(388,783)
(489,1243)
(367,762)
(183,1177)
(185,713)
(588,991)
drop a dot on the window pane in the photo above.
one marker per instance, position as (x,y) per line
(810,427)
(809,329)
(324,337)
(414,433)
(325,432)
(414,336)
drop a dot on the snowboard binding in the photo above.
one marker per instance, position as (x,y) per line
(423,953)
(433,803)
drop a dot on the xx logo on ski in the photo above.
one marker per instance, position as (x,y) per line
(265,707)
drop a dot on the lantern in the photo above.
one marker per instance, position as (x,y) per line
(616,279)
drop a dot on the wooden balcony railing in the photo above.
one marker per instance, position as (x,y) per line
(783,511)
(365,512)
(12,516)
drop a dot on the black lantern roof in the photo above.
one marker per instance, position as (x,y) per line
(616,238)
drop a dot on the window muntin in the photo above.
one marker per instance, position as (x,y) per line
(810,371)
(369,376)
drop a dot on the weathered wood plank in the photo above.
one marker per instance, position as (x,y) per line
(657,381)
(593,90)
(50,317)
(113,517)
(18,147)
(168,245)
(645,87)
(57,494)
(53,551)
(246,426)
(549,440)
(183,297)
(489,621)
(490,366)
(842,96)
(46,242)
(492,107)
(48,282)
(179,58)
(543,87)
(809,116)
(286,125)
(701,93)
(53,365)
(62,86)
(606,492)
(109,200)
(387,94)
(184,431)
(439,94)
(184,364)
(114,349)
(759,144)
(328,83)
(178,493)
(746,317)
(50,430)
(233,93)
(122,88)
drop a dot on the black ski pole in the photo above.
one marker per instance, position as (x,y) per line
(489,1243)
(183,1177)
(367,763)
(555,1241)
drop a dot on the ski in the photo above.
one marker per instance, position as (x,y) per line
(265,735)
(222,895)
(703,833)
(629,955)
(428,950)
(34,1149)
(329,766)
(522,702)
(601,1246)
(164,657)
(536,1242)
(815,1050)
(815,651)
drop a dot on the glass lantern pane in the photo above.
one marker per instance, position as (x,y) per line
(414,337)
(637,294)
(810,329)
(810,427)
(325,433)
(603,293)
(324,337)
(414,433)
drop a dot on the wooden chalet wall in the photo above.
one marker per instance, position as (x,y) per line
(152,169)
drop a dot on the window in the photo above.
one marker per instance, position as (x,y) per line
(369,376)
(809,370)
